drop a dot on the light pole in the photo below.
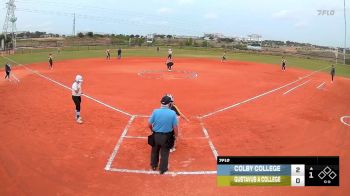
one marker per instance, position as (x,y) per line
(345,32)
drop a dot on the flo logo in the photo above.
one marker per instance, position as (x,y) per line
(326,12)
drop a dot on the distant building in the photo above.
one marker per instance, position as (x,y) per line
(47,36)
(213,36)
(254,47)
(254,38)
(241,38)
(149,38)
(185,37)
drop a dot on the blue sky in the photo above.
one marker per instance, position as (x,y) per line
(273,19)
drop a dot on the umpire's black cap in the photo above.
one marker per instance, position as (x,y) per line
(165,100)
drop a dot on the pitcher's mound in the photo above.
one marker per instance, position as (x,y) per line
(168,75)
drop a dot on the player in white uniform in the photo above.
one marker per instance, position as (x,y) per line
(76,96)
(108,54)
(170,53)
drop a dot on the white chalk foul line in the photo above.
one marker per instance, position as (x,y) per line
(14,76)
(142,116)
(321,85)
(66,87)
(342,119)
(108,106)
(211,145)
(150,172)
(261,95)
(292,89)
(117,146)
(173,173)
(135,137)
(182,138)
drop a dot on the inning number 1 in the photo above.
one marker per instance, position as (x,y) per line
(310,176)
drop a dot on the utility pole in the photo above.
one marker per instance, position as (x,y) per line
(74,25)
(10,23)
(345,32)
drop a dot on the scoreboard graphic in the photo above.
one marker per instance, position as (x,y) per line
(277,171)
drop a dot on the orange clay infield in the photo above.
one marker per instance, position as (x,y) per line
(235,109)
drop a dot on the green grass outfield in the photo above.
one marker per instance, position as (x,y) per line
(93,52)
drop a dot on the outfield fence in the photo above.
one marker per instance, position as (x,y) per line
(53,46)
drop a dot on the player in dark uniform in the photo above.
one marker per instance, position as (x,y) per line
(7,71)
(108,54)
(169,63)
(119,53)
(332,72)
(50,61)
(179,114)
(284,64)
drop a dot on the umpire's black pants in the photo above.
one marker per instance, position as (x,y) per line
(160,145)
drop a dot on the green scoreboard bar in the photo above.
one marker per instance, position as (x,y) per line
(278,171)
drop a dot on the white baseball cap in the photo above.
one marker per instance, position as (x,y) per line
(79,78)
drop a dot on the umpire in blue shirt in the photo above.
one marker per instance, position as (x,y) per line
(163,123)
